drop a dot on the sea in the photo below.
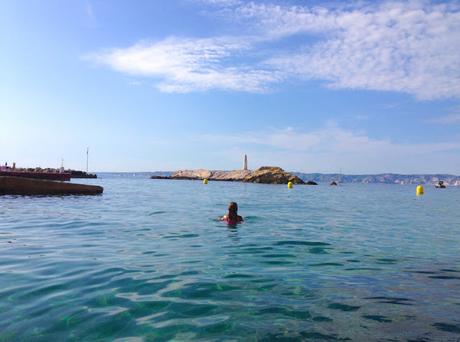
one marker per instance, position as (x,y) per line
(148,260)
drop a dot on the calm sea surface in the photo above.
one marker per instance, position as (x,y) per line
(148,260)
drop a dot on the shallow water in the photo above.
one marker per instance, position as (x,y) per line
(147,260)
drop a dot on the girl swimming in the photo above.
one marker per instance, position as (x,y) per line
(232,217)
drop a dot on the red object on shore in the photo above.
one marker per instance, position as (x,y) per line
(63,177)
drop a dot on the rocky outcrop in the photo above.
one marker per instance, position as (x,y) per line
(272,175)
(192,174)
(232,176)
(81,174)
(266,175)
(29,186)
(235,175)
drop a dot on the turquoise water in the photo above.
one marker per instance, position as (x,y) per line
(147,260)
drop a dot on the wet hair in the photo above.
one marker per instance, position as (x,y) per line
(232,212)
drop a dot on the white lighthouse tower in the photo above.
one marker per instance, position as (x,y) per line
(245,167)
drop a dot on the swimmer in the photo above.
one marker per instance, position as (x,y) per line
(232,218)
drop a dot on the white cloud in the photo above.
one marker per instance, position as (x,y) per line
(185,65)
(411,47)
(276,21)
(332,148)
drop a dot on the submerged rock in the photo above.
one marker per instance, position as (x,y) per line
(160,177)
(311,183)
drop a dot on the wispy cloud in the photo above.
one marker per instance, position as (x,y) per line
(184,65)
(330,139)
(220,3)
(90,14)
(330,148)
(448,119)
(409,47)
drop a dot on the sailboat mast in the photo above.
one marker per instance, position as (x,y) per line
(87,157)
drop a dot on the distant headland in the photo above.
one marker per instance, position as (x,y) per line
(276,175)
(384,178)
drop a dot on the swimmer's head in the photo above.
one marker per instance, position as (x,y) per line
(233,207)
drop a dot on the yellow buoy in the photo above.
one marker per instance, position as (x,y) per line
(290,185)
(205,181)
(419,190)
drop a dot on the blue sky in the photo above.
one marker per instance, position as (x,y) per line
(306,85)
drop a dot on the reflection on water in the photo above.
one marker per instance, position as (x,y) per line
(148,259)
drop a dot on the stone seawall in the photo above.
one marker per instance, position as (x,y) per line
(29,186)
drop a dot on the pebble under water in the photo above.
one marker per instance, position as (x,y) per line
(148,261)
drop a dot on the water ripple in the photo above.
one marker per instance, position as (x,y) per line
(148,261)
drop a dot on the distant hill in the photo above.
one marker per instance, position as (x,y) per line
(384,178)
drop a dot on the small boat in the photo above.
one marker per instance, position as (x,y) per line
(440,185)
(334,183)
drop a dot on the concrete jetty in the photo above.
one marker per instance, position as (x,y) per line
(28,186)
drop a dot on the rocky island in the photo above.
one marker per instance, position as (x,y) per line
(264,175)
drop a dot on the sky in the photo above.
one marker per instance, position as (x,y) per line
(311,86)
